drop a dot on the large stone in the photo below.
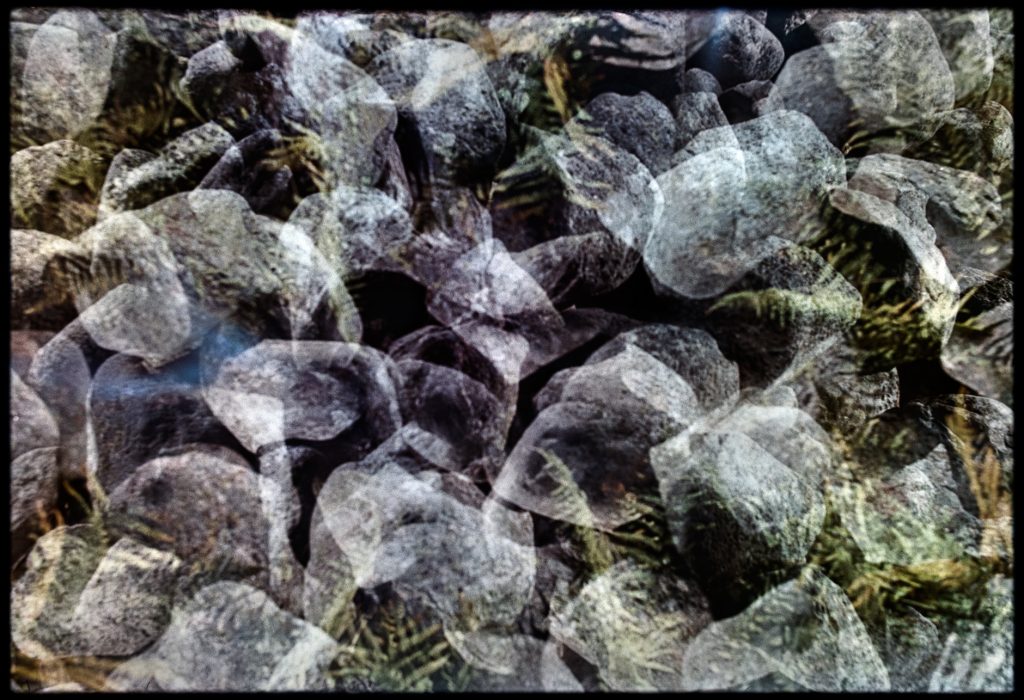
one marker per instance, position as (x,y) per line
(573,183)
(136,415)
(308,390)
(639,124)
(41,296)
(634,625)
(33,482)
(967,45)
(443,93)
(696,112)
(231,637)
(253,169)
(133,183)
(980,352)
(54,188)
(515,662)
(783,313)
(740,49)
(806,630)
(964,209)
(720,203)
(32,425)
(887,71)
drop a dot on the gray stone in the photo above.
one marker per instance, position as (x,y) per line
(514,662)
(634,626)
(41,296)
(782,313)
(718,204)
(699,80)
(136,415)
(967,45)
(964,209)
(34,481)
(740,49)
(978,654)
(54,188)
(750,100)
(253,169)
(134,183)
(308,390)
(231,637)
(806,630)
(639,124)
(910,648)
(127,602)
(899,273)
(589,184)
(696,112)
(32,425)
(888,71)
(442,89)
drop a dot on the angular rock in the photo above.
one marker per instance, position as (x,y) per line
(41,297)
(740,49)
(54,188)
(752,479)
(573,183)
(231,637)
(179,166)
(461,411)
(699,80)
(979,141)
(806,630)
(910,648)
(32,425)
(34,483)
(308,390)
(393,526)
(887,72)
(979,353)
(696,112)
(514,662)
(252,169)
(718,204)
(964,209)
(443,93)
(126,604)
(967,45)
(349,36)
(634,625)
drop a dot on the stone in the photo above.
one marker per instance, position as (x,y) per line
(34,482)
(967,45)
(899,273)
(888,72)
(782,313)
(32,425)
(126,603)
(61,373)
(634,626)
(979,353)
(356,230)
(41,297)
(44,599)
(806,629)
(964,209)
(573,183)
(752,479)
(514,662)
(696,112)
(349,36)
(136,415)
(203,508)
(719,203)
(180,166)
(231,637)
(252,168)
(699,80)
(470,565)
(308,390)
(442,90)
(459,410)
(54,188)
(979,141)
(910,649)
(639,124)
(739,49)
(912,516)
(978,654)
(66,75)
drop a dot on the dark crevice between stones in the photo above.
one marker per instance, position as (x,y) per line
(390,305)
